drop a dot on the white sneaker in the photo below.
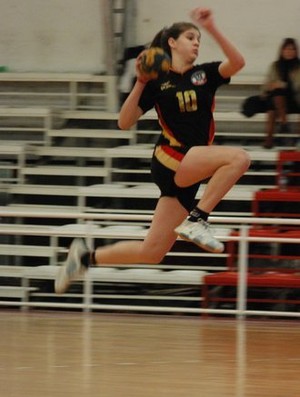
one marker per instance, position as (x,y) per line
(200,234)
(72,268)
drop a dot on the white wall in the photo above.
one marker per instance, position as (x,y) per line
(67,35)
(255,26)
(51,35)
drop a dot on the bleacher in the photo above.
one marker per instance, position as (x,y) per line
(67,159)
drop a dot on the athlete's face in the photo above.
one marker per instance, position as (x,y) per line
(187,45)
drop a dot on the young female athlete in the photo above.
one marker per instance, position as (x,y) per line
(184,154)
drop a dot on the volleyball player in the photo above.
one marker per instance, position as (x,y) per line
(183,155)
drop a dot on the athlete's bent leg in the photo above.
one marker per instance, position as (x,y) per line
(223,166)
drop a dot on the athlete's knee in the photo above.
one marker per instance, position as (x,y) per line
(152,255)
(241,159)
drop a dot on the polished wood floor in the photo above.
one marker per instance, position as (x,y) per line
(56,354)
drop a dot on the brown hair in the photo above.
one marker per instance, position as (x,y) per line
(174,31)
(289,41)
(282,65)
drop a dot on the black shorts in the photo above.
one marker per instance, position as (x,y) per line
(163,177)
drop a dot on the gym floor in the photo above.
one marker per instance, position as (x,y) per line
(55,354)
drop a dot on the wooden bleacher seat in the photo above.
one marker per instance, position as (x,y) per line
(53,208)
(90,133)
(61,90)
(82,194)
(12,159)
(19,251)
(12,122)
(16,292)
(61,151)
(63,171)
(96,277)
(89,115)
(140,152)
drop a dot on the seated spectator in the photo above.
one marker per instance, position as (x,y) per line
(282,89)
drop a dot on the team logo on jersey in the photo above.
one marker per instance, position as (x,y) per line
(166,86)
(199,77)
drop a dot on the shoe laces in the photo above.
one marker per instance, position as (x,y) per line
(206,227)
(203,223)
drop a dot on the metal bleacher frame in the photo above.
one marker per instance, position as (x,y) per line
(50,88)
(79,104)
(87,300)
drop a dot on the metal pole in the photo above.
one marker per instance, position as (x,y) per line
(108,35)
(242,272)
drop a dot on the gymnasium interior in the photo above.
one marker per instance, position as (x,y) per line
(198,323)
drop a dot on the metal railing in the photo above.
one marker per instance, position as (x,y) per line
(243,238)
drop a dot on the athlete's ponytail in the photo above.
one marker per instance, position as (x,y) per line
(161,39)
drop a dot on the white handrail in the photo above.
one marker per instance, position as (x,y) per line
(241,223)
(8,212)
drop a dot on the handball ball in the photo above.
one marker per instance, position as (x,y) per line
(155,62)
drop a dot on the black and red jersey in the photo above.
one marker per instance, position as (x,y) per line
(184,104)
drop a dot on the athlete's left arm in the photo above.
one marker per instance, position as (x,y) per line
(234,59)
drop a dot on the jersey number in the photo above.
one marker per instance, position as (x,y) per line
(187,101)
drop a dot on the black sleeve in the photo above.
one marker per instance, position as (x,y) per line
(213,75)
(147,99)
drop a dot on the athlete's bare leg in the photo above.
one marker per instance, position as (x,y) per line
(223,165)
(161,236)
(169,213)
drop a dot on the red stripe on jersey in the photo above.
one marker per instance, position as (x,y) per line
(169,157)
(172,153)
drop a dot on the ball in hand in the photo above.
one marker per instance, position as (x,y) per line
(154,63)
